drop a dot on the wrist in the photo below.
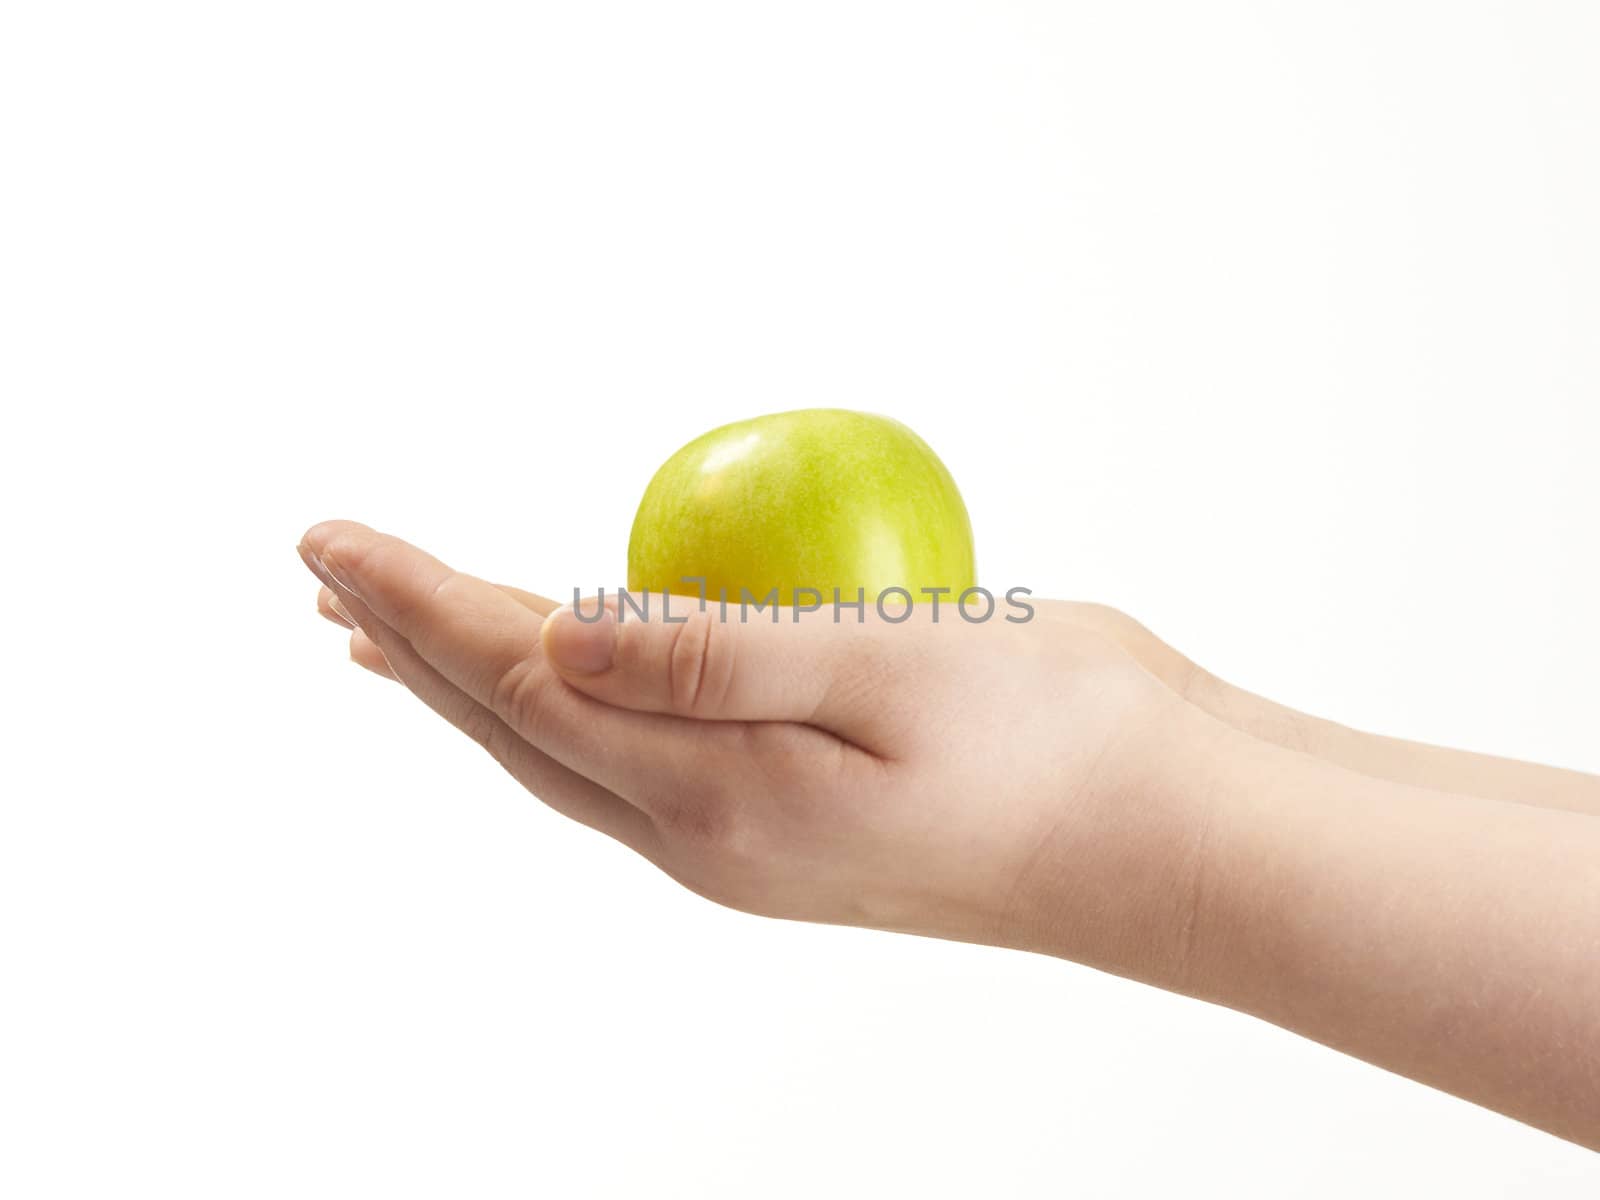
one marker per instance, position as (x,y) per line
(1125,882)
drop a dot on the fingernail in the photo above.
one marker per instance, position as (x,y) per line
(338,606)
(314,564)
(583,646)
(330,564)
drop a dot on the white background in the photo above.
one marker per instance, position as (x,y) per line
(1272,324)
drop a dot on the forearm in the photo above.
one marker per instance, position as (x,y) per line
(1449,938)
(1416,763)
(1459,771)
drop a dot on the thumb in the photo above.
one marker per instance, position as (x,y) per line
(707,666)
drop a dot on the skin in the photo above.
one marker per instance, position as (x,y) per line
(1069,786)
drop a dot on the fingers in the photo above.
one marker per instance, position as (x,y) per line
(485,643)
(378,648)
(363,651)
(696,663)
(542,605)
(328,604)
(326,607)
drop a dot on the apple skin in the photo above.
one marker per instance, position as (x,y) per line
(818,498)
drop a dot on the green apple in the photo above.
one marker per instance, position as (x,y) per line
(819,499)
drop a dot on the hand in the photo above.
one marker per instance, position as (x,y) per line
(944,778)
(1069,785)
